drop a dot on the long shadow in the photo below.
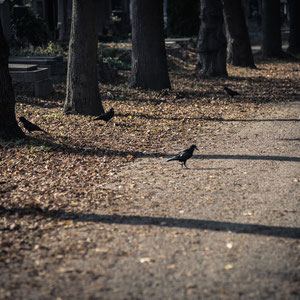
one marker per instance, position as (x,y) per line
(64,148)
(126,115)
(249,120)
(206,169)
(46,104)
(154,100)
(291,140)
(219,226)
(153,117)
(248,157)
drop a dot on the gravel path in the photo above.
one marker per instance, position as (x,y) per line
(226,228)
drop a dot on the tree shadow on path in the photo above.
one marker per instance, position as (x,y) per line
(136,220)
(64,148)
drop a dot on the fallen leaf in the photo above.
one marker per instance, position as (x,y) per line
(229,267)
(145,260)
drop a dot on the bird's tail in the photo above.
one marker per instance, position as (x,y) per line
(172,158)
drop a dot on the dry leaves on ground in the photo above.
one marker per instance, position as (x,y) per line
(46,179)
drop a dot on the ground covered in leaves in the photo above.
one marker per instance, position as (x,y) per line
(65,172)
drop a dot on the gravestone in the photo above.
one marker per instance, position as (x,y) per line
(57,67)
(33,80)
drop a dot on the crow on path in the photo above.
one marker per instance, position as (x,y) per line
(30,126)
(107,116)
(184,155)
(230,92)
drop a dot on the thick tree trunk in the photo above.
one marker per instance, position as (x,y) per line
(9,128)
(212,40)
(239,51)
(294,38)
(271,44)
(149,60)
(82,95)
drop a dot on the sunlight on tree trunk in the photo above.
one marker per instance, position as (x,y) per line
(239,51)
(212,41)
(82,94)
(149,60)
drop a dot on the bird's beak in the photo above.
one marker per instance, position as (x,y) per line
(197,148)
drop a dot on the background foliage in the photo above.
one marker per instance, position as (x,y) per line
(29,28)
(183,18)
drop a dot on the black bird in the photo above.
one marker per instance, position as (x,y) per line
(230,92)
(107,116)
(184,155)
(30,126)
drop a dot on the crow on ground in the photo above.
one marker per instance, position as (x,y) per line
(30,126)
(230,92)
(184,155)
(107,116)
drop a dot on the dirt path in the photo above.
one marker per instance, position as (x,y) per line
(226,228)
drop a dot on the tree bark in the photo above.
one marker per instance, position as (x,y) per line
(294,37)
(82,95)
(125,21)
(212,41)
(149,60)
(271,44)
(104,16)
(62,19)
(239,51)
(9,128)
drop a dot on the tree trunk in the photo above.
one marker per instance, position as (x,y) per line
(104,16)
(271,44)
(294,38)
(212,41)
(239,51)
(149,60)
(62,19)
(82,95)
(125,20)
(9,128)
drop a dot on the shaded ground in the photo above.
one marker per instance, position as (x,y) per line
(94,211)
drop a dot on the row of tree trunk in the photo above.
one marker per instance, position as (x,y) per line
(149,63)
(271,26)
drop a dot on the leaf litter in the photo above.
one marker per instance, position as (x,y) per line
(48,180)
